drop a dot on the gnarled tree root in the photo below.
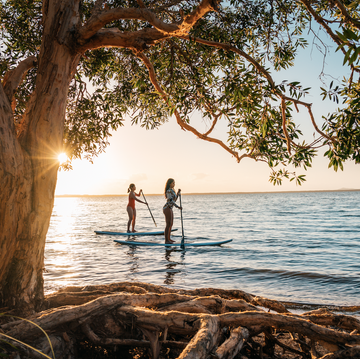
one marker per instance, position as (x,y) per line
(202,323)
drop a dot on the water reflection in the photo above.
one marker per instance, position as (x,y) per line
(134,260)
(171,265)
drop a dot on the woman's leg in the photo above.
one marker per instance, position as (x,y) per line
(130,213)
(133,220)
(169,218)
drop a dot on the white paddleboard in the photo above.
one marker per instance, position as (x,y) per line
(158,233)
(194,244)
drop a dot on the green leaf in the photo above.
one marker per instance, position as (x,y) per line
(353,57)
(350,34)
(347,54)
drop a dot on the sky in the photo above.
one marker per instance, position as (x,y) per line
(149,157)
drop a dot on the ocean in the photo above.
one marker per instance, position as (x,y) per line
(301,247)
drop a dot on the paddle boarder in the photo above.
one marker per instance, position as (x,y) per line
(131,206)
(171,197)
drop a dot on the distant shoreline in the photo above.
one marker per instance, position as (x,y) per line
(209,193)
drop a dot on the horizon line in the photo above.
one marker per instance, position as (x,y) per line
(211,193)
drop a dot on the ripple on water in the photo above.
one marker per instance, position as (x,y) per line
(289,246)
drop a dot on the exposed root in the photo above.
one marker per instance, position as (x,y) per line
(146,320)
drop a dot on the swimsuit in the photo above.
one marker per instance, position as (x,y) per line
(171,197)
(132,201)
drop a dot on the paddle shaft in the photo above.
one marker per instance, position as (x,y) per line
(149,208)
(182,225)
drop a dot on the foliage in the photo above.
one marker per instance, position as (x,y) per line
(226,79)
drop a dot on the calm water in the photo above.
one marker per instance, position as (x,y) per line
(302,247)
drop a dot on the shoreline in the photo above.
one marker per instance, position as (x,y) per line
(211,193)
(295,304)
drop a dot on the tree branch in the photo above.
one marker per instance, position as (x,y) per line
(184,125)
(283,108)
(308,106)
(204,7)
(214,122)
(262,70)
(346,15)
(99,19)
(139,40)
(14,77)
(321,21)
(231,48)
(208,106)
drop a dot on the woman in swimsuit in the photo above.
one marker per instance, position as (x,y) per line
(171,197)
(131,207)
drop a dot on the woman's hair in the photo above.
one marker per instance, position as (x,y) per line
(168,183)
(130,187)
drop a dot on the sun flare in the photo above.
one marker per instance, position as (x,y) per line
(62,157)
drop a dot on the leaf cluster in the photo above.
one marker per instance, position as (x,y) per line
(213,79)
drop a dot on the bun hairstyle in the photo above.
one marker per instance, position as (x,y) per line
(167,186)
(131,187)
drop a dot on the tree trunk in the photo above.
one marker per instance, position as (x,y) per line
(29,163)
(14,198)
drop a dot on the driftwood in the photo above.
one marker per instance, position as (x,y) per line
(147,321)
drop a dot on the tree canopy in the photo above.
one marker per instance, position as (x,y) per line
(154,60)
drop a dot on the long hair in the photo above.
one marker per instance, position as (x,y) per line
(130,187)
(167,186)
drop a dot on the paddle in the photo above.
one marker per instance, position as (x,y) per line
(182,226)
(149,208)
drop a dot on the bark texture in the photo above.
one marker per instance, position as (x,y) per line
(139,320)
(29,164)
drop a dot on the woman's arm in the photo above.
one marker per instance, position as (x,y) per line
(139,200)
(133,195)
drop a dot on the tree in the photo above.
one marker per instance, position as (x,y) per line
(154,60)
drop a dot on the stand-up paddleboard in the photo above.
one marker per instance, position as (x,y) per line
(194,244)
(157,233)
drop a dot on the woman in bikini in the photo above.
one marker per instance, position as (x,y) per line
(131,207)
(171,197)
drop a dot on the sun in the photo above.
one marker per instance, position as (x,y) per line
(62,157)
